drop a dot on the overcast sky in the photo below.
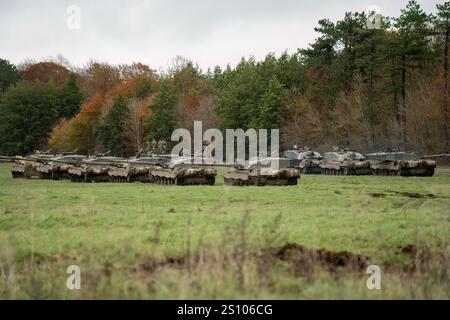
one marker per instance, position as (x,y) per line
(155,31)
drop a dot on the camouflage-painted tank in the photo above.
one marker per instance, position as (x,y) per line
(182,172)
(94,169)
(344,162)
(306,160)
(259,173)
(20,168)
(27,167)
(394,163)
(58,167)
(137,169)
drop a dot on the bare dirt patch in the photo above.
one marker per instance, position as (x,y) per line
(413,195)
(423,259)
(416,195)
(303,260)
(300,260)
(377,195)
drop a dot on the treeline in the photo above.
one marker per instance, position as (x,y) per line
(355,86)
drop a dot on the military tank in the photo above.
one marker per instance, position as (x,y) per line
(182,172)
(57,168)
(95,169)
(135,170)
(395,163)
(344,162)
(306,160)
(27,167)
(259,173)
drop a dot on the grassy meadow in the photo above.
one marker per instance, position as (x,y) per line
(167,242)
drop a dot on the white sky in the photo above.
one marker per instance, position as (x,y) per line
(156,31)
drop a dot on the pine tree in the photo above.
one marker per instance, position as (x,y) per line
(28,112)
(71,98)
(162,120)
(270,109)
(110,131)
(413,49)
(8,75)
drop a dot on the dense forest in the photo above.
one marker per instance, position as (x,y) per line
(355,86)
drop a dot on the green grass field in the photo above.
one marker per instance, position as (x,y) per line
(169,242)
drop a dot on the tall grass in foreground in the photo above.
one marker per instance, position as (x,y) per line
(228,270)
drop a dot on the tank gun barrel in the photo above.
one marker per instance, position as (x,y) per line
(430,156)
(9,159)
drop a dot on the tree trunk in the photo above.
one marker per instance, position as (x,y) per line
(446,98)
(402,111)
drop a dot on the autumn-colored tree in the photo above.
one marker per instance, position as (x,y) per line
(137,87)
(46,71)
(134,126)
(59,136)
(303,124)
(79,133)
(99,78)
(443,29)
(135,70)
(198,108)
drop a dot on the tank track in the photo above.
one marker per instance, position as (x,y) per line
(334,172)
(261,182)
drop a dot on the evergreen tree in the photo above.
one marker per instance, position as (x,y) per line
(28,111)
(270,109)
(143,89)
(71,98)
(413,49)
(240,95)
(9,75)
(162,120)
(111,130)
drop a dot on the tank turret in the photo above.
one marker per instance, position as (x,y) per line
(306,160)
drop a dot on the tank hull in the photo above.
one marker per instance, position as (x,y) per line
(183,176)
(282,177)
(353,168)
(410,168)
(310,167)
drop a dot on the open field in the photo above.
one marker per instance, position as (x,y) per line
(151,241)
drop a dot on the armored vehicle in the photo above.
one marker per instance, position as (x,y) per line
(57,167)
(182,172)
(137,169)
(94,169)
(26,167)
(260,173)
(394,163)
(306,160)
(344,162)
(21,169)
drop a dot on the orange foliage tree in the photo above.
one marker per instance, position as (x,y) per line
(79,133)
(46,71)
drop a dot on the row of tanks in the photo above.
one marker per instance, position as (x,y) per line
(79,168)
(159,169)
(348,162)
(162,169)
